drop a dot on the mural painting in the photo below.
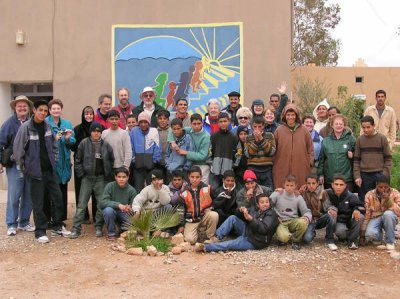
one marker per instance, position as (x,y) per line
(195,62)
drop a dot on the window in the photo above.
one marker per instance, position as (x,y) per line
(359,79)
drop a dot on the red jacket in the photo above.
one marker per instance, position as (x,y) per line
(196,202)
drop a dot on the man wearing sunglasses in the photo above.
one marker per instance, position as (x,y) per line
(148,105)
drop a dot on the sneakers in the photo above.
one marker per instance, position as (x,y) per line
(199,247)
(27,228)
(353,246)
(11,231)
(211,240)
(99,232)
(388,246)
(296,246)
(43,239)
(74,234)
(60,232)
(332,246)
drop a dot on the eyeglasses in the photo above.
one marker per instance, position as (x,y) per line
(243,117)
(148,95)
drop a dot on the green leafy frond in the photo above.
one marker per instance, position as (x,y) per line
(165,218)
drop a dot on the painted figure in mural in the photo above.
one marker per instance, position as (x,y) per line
(161,81)
(148,96)
(197,74)
(170,95)
(124,107)
(182,86)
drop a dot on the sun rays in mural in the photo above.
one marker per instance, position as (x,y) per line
(196,62)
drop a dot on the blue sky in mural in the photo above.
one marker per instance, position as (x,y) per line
(193,62)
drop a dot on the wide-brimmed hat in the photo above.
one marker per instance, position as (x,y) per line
(21,98)
(147,89)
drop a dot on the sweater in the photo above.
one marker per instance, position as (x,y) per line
(150,198)
(375,204)
(290,206)
(223,147)
(114,195)
(372,154)
(260,153)
(121,145)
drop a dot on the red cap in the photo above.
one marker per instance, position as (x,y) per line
(249,176)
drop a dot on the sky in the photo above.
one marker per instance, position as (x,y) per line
(369,29)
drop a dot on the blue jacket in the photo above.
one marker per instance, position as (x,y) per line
(7,133)
(64,149)
(317,141)
(175,161)
(26,149)
(148,144)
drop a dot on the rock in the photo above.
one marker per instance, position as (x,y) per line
(151,250)
(159,253)
(176,250)
(185,246)
(124,235)
(121,248)
(177,239)
(395,255)
(135,251)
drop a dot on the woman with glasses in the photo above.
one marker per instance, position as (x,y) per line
(244,116)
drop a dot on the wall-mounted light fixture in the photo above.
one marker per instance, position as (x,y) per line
(20,37)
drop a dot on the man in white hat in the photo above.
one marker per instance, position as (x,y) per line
(19,203)
(147,96)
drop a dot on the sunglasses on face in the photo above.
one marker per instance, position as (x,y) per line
(243,117)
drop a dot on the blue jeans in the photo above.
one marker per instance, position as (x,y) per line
(325,220)
(19,203)
(112,216)
(388,222)
(232,224)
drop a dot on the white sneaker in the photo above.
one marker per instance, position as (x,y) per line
(43,239)
(11,231)
(390,246)
(60,232)
(27,228)
(332,246)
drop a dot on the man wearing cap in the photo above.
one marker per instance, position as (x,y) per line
(147,96)
(124,107)
(232,108)
(246,197)
(19,204)
(146,149)
(35,152)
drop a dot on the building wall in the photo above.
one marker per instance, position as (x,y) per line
(374,78)
(69,42)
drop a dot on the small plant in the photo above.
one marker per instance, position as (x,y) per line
(395,175)
(141,229)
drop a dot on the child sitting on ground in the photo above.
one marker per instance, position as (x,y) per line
(197,202)
(176,187)
(116,202)
(323,212)
(254,228)
(294,216)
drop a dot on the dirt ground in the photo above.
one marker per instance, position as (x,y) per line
(88,268)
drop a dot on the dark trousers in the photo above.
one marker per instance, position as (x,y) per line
(78,182)
(140,176)
(368,183)
(48,186)
(48,206)
(264,176)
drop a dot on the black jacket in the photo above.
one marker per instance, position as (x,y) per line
(85,160)
(224,202)
(138,109)
(345,203)
(260,230)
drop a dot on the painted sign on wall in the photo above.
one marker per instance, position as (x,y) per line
(195,62)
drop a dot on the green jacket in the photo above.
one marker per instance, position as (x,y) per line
(333,157)
(114,195)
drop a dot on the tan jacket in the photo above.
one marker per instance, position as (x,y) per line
(385,125)
(375,208)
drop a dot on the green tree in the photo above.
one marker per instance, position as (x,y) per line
(309,92)
(312,41)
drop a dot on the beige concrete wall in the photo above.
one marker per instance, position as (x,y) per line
(386,78)
(81,36)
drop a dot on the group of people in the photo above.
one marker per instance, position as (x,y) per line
(248,173)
